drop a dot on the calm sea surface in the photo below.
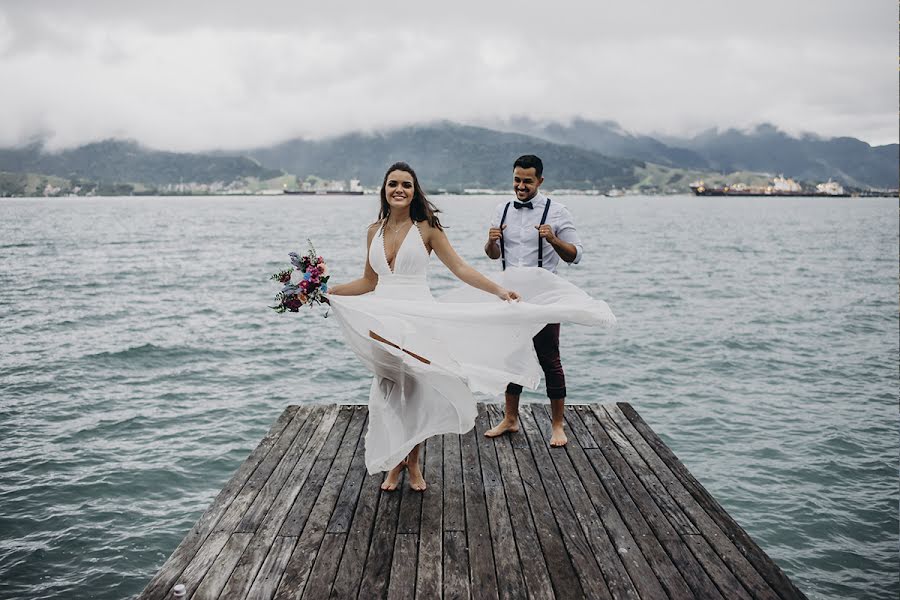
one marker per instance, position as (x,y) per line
(140,365)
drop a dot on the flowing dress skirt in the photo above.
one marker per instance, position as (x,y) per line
(430,356)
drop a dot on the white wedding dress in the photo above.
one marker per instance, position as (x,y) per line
(468,341)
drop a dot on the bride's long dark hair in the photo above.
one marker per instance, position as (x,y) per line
(421,208)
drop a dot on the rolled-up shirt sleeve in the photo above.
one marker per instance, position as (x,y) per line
(565,230)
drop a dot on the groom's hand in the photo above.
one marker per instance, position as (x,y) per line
(495,233)
(492,248)
(546,232)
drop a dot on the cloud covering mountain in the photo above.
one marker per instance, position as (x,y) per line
(201,75)
(584,155)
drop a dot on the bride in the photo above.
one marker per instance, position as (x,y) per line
(429,356)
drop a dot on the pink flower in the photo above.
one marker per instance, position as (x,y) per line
(320,260)
(304,285)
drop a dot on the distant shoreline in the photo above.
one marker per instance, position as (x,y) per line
(562,193)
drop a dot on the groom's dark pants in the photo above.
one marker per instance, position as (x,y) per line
(546,345)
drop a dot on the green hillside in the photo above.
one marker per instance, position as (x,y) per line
(448,156)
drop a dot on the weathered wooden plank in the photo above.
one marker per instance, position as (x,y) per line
(608,560)
(356,548)
(342,516)
(429,569)
(203,560)
(478,537)
(299,512)
(375,578)
(297,481)
(160,586)
(245,571)
(454,511)
(456,566)
(270,574)
(744,543)
(298,568)
(322,575)
(251,520)
(685,576)
(403,567)
(517,439)
(585,440)
(410,503)
(214,581)
(562,573)
(247,567)
(675,515)
(510,583)
(532,563)
(232,517)
(725,581)
(719,545)
(642,575)
(586,567)
(728,584)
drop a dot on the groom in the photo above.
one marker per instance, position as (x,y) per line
(535,231)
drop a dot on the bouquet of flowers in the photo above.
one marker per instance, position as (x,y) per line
(304,284)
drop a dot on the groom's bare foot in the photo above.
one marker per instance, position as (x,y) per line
(508,424)
(416,481)
(392,480)
(558,436)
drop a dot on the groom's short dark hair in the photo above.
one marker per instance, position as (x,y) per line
(530,161)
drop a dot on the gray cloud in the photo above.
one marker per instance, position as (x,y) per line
(200,75)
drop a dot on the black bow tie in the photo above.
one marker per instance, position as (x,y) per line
(526,204)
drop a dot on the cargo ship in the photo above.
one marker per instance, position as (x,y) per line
(780,186)
(330,188)
(324,192)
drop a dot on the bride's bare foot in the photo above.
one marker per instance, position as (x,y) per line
(510,424)
(416,481)
(392,480)
(558,436)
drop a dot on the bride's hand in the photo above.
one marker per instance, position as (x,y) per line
(508,295)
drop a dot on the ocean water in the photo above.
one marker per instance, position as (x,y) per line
(140,365)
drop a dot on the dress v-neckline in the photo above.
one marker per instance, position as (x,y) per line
(400,247)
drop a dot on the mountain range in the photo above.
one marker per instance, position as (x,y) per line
(447,155)
(118,161)
(581,154)
(764,149)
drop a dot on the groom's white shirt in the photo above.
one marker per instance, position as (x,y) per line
(520,238)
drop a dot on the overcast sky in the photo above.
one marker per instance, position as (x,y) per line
(187,75)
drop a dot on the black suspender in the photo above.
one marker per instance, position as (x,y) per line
(502,249)
(540,239)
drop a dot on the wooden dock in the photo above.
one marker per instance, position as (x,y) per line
(614,514)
